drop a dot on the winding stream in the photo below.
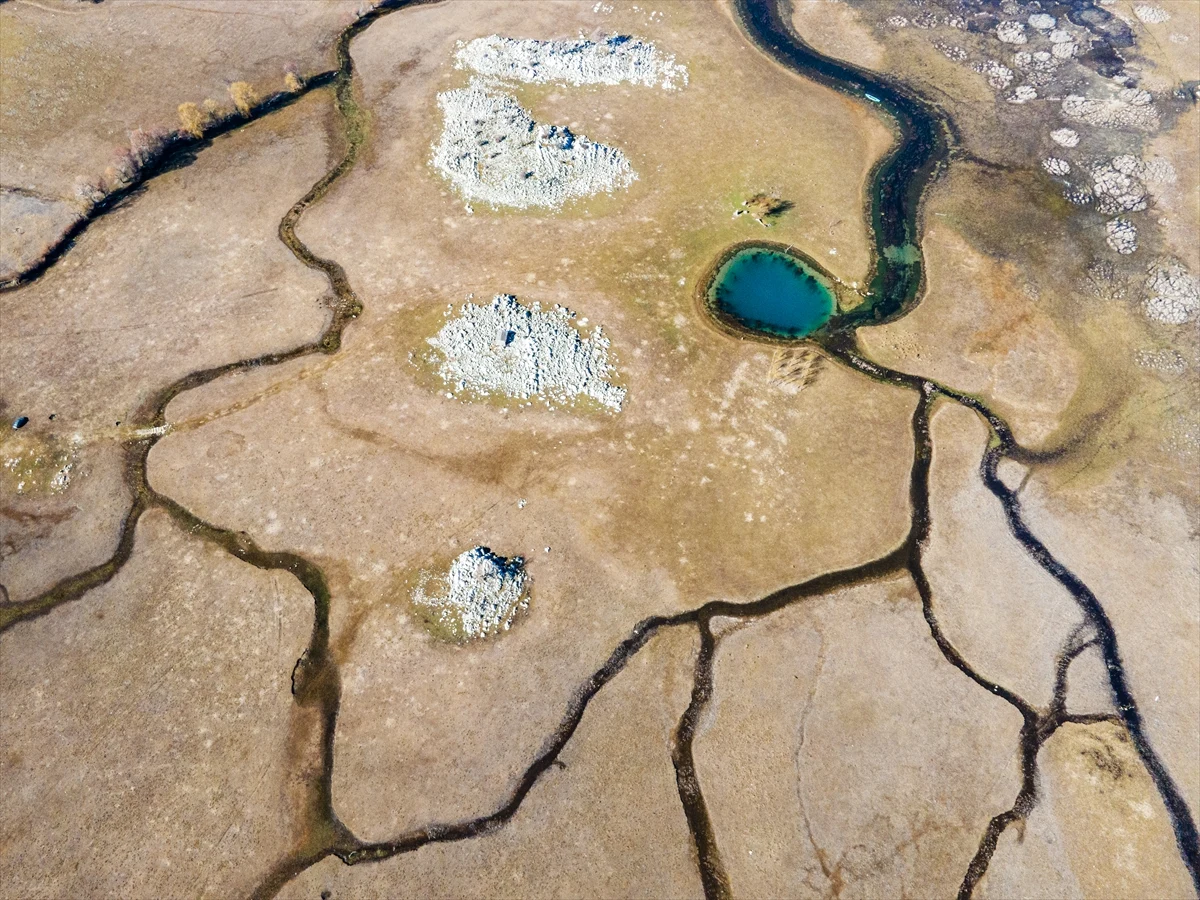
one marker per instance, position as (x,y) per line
(893,288)
(895,284)
(898,180)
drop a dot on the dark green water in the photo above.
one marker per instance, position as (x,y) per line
(771,291)
(893,286)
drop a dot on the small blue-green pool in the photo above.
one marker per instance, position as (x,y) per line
(771,291)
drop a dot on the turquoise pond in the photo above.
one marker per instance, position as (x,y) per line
(773,292)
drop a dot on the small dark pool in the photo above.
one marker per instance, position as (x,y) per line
(771,291)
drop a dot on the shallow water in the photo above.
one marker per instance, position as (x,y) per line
(767,290)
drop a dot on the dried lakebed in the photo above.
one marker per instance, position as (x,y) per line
(895,284)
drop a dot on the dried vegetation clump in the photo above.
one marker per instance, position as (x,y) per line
(764,207)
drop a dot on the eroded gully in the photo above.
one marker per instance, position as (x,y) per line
(899,180)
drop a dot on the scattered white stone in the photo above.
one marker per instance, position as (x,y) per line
(1065,137)
(1056,166)
(479,596)
(1151,15)
(1122,236)
(897,21)
(951,51)
(1061,36)
(1011,32)
(619,59)
(492,150)
(1170,361)
(1131,108)
(1173,294)
(999,76)
(1041,21)
(522,352)
(1176,38)
(1023,94)
(1080,196)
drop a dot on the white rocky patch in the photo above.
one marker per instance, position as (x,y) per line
(1157,170)
(1121,236)
(619,59)
(1023,94)
(999,76)
(1056,166)
(523,352)
(1041,21)
(1130,108)
(897,21)
(1151,15)
(493,151)
(479,596)
(1173,294)
(1065,137)
(1011,32)
(1064,51)
(1117,187)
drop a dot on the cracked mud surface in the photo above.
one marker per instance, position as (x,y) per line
(926,624)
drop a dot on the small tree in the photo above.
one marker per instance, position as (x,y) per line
(193,119)
(146,146)
(243,96)
(123,171)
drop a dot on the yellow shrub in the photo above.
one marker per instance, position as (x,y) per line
(193,119)
(293,83)
(243,97)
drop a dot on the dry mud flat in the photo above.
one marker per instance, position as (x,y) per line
(709,483)
(190,276)
(112,76)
